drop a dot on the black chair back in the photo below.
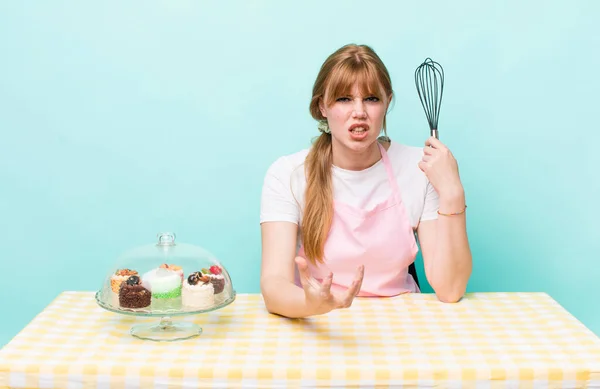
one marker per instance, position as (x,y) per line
(413,272)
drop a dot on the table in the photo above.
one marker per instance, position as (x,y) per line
(491,340)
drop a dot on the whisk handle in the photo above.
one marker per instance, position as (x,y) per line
(434,132)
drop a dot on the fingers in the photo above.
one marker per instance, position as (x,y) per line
(308,281)
(302,266)
(360,275)
(429,150)
(433,151)
(429,154)
(354,287)
(326,285)
(435,143)
(323,288)
(305,277)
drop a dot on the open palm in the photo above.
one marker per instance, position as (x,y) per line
(319,294)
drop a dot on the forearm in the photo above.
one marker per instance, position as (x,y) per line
(285,298)
(452,265)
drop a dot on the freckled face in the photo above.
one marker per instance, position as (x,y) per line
(355,120)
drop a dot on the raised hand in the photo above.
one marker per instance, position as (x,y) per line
(440,167)
(319,297)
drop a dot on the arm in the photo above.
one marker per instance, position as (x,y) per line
(279,230)
(444,243)
(281,295)
(445,249)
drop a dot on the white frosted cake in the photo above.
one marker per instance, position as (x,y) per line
(162,283)
(198,292)
(177,269)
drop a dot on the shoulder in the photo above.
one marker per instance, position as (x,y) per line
(402,155)
(285,166)
(405,162)
(282,188)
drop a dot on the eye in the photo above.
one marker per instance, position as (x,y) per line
(342,99)
(373,99)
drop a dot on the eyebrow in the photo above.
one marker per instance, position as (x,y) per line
(366,94)
(351,95)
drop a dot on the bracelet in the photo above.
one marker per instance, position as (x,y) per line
(453,214)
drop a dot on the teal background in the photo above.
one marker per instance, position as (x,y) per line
(122,119)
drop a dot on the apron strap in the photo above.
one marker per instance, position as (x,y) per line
(390,172)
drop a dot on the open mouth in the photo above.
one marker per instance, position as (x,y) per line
(358,131)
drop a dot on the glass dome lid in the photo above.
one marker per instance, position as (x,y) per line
(166,278)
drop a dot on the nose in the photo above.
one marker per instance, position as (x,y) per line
(359,109)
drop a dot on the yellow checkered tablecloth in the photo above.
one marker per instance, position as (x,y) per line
(488,340)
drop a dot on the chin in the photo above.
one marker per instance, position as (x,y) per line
(360,145)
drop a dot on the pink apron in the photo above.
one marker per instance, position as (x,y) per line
(381,239)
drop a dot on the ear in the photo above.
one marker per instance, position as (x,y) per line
(322,107)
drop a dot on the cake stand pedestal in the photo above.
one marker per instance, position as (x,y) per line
(166,330)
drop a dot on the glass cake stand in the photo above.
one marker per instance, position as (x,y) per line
(166,280)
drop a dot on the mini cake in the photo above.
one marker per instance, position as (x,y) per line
(175,268)
(198,291)
(216,277)
(119,277)
(162,283)
(133,295)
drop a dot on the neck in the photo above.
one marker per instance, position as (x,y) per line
(349,159)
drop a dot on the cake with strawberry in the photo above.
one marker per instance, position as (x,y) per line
(198,291)
(215,273)
(120,276)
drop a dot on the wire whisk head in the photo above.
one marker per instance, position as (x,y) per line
(429,80)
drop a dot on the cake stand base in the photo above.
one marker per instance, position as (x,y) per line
(166,330)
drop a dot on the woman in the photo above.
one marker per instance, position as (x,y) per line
(339,220)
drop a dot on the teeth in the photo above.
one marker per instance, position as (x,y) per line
(358,129)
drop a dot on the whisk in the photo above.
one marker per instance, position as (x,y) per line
(429,80)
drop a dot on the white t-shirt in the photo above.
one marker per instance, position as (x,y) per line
(285,183)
